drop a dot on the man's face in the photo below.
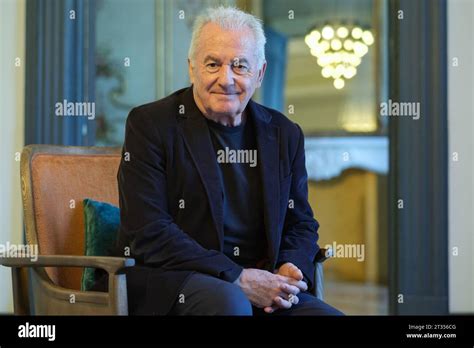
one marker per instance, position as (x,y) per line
(224,71)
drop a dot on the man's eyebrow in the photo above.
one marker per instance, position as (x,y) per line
(241,60)
(215,59)
(211,58)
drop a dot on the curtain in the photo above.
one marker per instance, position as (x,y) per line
(59,67)
(273,86)
(418,253)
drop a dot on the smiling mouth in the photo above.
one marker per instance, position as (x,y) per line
(226,93)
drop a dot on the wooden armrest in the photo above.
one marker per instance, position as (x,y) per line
(323,255)
(111,264)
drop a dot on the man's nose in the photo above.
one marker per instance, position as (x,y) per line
(226,75)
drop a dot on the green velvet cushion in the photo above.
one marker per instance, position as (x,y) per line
(101,221)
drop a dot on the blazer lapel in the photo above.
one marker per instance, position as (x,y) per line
(196,136)
(268,156)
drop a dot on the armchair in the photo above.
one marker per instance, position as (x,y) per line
(55,180)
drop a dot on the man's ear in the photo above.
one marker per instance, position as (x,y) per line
(190,71)
(261,74)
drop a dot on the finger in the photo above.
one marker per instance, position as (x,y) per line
(293,299)
(290,289)
(295,272)
(298,283)
(271,309)
(281,303)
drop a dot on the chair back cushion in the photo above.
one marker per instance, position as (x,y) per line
(60,182)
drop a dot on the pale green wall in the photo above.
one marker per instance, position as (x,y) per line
(12,33)
(461,172)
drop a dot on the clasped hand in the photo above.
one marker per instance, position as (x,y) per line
(272,291)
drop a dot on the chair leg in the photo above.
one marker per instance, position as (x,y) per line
(21,303)
(118,293)
(319,280)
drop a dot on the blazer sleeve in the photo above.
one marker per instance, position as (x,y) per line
(299,238)
(154,238)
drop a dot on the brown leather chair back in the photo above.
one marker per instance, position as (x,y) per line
(55,180)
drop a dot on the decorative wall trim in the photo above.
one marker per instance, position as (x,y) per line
(328,157)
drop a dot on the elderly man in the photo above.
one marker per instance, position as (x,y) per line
(213,189)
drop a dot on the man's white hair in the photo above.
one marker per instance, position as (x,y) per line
(230,18)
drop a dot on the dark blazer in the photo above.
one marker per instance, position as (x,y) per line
(167,157)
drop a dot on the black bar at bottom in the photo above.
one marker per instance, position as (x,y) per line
(418,330)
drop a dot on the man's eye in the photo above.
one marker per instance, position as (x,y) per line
(212,67)
(241,68)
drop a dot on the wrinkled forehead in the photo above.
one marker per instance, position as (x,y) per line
(226,44)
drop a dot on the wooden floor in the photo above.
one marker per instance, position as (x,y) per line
(356,298)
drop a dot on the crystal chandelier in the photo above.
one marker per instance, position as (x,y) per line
(339,50)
